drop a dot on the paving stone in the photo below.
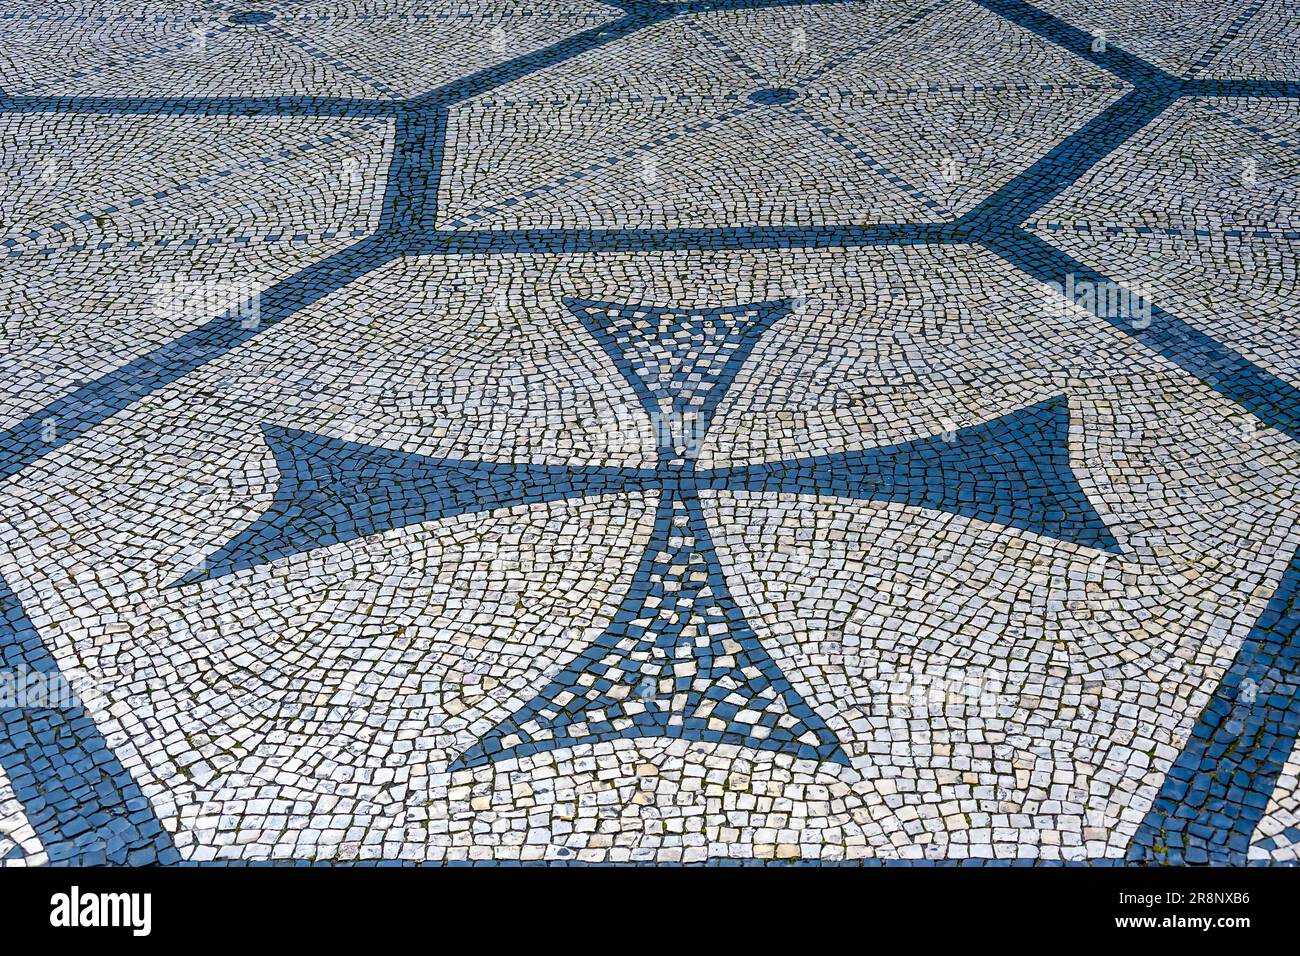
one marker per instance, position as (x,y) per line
(715,433)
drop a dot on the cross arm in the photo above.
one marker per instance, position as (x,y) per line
(1013,471)
(332,490)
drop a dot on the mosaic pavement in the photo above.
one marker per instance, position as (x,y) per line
(716,430)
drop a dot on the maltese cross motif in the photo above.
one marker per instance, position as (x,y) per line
(678,659)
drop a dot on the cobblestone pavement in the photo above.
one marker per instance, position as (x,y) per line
(715,430)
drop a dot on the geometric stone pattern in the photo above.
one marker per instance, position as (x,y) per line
(650,432)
